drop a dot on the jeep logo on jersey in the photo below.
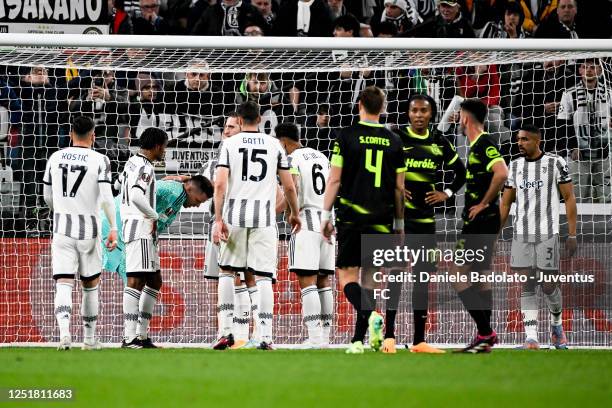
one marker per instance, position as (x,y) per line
(492,152)
(538,184)
(421,164)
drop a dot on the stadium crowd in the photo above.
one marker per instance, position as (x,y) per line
(567,99)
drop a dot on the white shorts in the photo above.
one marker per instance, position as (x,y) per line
(250,249)
(543,255)
(141,256)
(309,254)
(72,256)
(211,260)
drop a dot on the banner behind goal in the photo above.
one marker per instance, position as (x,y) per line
(188,88)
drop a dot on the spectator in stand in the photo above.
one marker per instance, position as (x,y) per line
(304,18)
(536,12)
(268,10)
(179,13)
(277,105)
(150,22)
(146,108)
(511,25)
(337,8)
(96,94)
(587,110)
(252,30)
(402,13)
(449,23)
(120,21)
(319,135)
(365,31)
(197,106)
(561,24)
(43,103)
(535,98)
(482,82)
(479,12)
(595,18)
(347,26)
(426,9)
(386,30)
(228,18)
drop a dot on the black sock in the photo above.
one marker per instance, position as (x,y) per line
(390,323)
(395,291)
(487,302)
(473,303)
(419,317)
(358,297)
(420,300)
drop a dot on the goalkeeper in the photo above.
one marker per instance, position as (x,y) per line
(171,197)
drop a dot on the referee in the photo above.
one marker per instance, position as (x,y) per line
(366,181)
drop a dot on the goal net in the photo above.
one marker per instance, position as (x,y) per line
(187,86)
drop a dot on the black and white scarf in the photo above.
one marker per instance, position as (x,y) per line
(591,118)
(230,19)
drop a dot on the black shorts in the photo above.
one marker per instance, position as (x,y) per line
(421,236)
(481,234)
(349,244)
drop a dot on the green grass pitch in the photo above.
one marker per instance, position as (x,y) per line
(318,378)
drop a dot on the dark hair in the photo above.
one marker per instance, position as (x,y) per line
(386,27)
(203,184)
(232,114)
(424,98)
(530,128)
(372,99)
(514,7)
(152,137)
(82,126)
(288,130)
(348,22)
(249,112)
(476,108)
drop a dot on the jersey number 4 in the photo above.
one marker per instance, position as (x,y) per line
(254,159)
(375,168)
(74,168)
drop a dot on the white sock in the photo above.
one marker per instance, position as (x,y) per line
(311,312)
(555,306)
(242,315)
(529,308)
(225,304)
(131,298)
(63,307)
(147,302)
(254,295)
(89,312)
(266,309)
(326,297)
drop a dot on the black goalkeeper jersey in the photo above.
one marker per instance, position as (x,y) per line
(370,156)
(425,156)
(484,153)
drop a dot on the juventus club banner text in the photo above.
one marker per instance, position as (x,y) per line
(54,16)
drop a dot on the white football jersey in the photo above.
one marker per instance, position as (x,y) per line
(74,174)
(536,214)
(253,160)
(138,173)
(312,169)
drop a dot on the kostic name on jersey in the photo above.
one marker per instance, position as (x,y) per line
(74,156)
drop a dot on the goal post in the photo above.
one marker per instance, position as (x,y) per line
(188,85)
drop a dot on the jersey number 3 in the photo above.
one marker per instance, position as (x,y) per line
(74,168)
